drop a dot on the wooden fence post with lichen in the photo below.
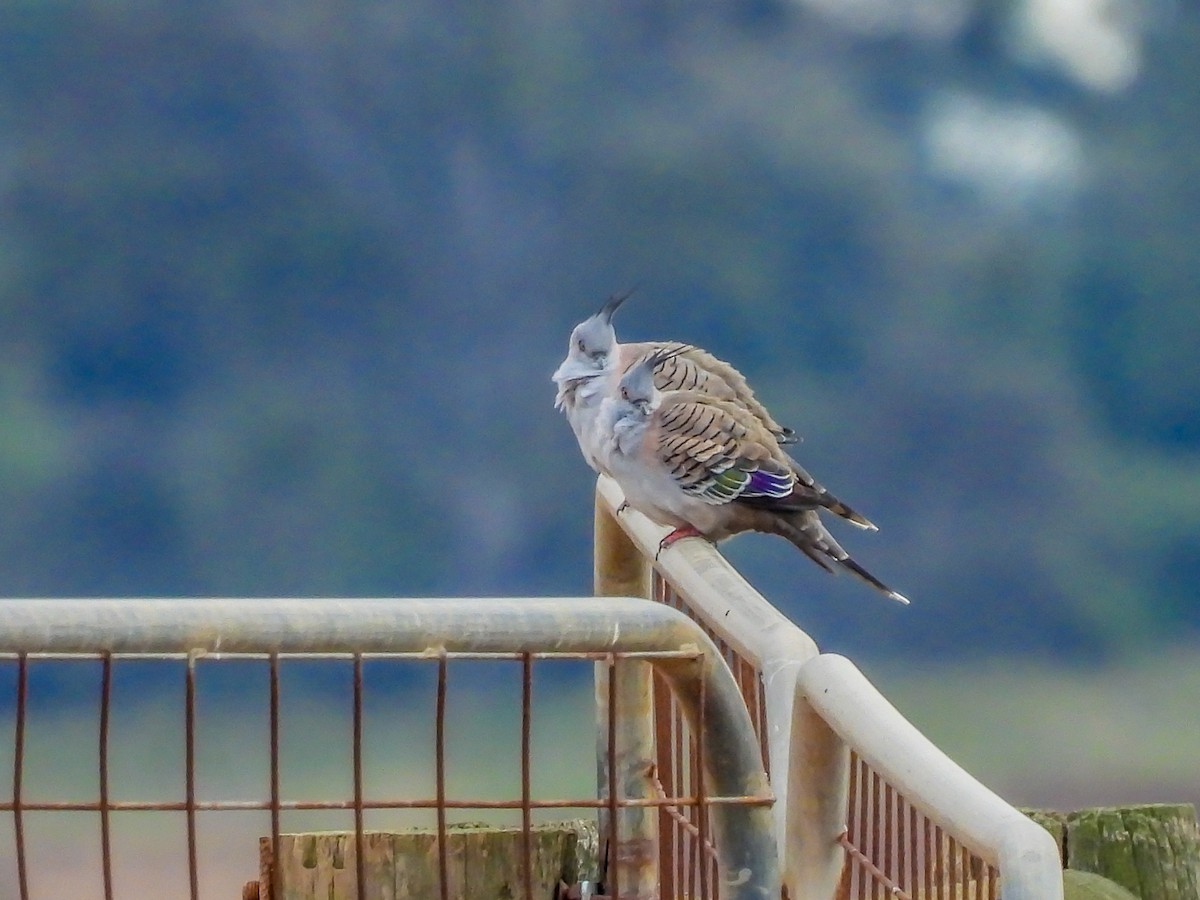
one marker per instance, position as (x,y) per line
(1152,851)
(484,863)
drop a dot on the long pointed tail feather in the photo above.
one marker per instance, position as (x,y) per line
(805,531)
(823,498)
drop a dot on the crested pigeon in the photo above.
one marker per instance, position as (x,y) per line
(707,467)
(595,362)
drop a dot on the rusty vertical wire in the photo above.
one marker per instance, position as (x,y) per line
(866,881)
(276,872)
(885,813)
(702,795)
(930,855)
(877,831)
(889,832)
(189,752)
(885,861)
(958,876)
(953,854)
(955,876)
(683,780)
(874,831)
(853,823)
(440,773)
(864,826)
(105,834)
(913,851)
(870,827)
(356,752)
(526,790)
(673,754)
(663,715)
(18,771)
(764,735)
(863,840)
(932,866)
(887,802)
(939,874)
(901,876)
(612,887)
(849,864)
(693,849)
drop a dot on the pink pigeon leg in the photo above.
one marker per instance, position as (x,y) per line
(677,535)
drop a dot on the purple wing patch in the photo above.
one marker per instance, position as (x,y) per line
(768,484)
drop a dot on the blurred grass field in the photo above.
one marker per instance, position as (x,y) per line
(1053,737)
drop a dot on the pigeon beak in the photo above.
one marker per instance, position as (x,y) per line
(561,373)
(570,369)
(613,304)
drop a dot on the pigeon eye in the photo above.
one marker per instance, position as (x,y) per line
(581,345)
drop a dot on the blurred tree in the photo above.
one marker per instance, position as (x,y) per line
(281,289)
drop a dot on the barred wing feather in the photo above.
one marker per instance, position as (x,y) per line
(713,451)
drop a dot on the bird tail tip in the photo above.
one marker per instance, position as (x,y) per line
(854,518)
(898,597)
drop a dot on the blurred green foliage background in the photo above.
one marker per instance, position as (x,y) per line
(282,284)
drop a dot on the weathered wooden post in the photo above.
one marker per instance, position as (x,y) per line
(484,863)
(625,756)
(1152,850)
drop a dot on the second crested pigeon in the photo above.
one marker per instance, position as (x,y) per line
(707,467)
(595,362)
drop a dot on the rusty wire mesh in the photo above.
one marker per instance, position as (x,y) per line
(108,870)
(894,850)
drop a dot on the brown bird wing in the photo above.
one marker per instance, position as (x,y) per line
(693,369)
(718,451)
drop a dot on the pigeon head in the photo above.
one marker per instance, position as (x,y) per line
(593,344)
(637,384)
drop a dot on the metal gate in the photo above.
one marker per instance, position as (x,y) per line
(692,698)
(189,641)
